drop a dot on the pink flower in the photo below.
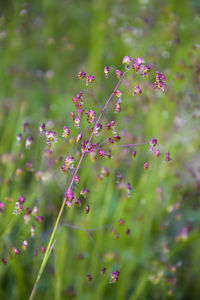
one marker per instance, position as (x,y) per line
(126,60)
(137,91)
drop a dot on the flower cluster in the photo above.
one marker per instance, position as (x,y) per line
(96,142)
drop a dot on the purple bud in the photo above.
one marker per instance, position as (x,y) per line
(157,153)
(42,248)
(42,128)
(16,251)
(78,202)
(2,207)
(21,199)
(146,165)
(126,60)
(81,75)
(118,74)
(114,276)
(68,204)
(76,179)
(89,277)
(103,271)
(167,156)
(106,71)
(84,192)
(69,195)
(25,127)
(39,219)
(19,138)
(121,222)
(24,245)
(28,211)
(29,142)
(87,209)
(137,91)
(89,79)
(116,138)
(66,132)
(134,154)
(4,261)
(102,153)
(29,166)
(153,142)
(111,140)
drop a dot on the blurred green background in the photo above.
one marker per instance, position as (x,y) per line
(43,45)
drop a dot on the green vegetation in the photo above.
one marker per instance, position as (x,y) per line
(43,45)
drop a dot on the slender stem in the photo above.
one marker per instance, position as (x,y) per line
(47,252)
(122,146)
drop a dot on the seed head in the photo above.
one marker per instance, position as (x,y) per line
(103,271)
(69,195)
(24,245)
(116,138)
(19,138)
(126,60)
(81,75)
(121,222)
(39,219)
(106,71)
(167,157)
(114,276)
(4,261)
(79,137)
(21,199)
(2,207)
(77,121)
(89,277)
(145,69)
(90,116)
(87,209)
(117,108)
(102,153)
(76,179)
(16,251)
(157,153)
(118,74)
(134,154)
(153,142)
(78,202)
(118,93)
(42,248)
(84,192)
(137,91)
(69,162)
(42,128)
(66,132)
(89,79)
(29,142)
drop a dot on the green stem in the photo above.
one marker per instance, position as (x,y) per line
(47,251)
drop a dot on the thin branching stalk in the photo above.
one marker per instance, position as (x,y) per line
(51,240)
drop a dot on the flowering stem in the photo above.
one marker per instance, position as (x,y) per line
(48,249)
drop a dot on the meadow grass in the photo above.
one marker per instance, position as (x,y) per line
(42,49)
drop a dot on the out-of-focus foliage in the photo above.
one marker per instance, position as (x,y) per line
(43,45)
